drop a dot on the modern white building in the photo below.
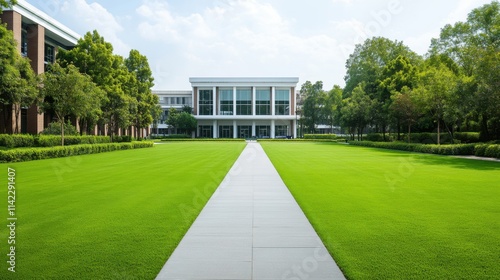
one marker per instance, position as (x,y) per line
(238,107)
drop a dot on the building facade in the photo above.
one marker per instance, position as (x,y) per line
(170,99)
(38,38)
(245,107)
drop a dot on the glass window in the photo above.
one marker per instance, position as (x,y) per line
(206,102)
(225,131)
(263,102)
(282,102)
(244,131)
(244,101)
(226,102)
(281,130)
(24,40)
(263,131)
(206,131)
(49,54)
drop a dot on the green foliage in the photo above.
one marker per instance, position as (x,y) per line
(55,140)
(486,150)
(17,140)
(311,111)
(320,136)
(378,137)
(467,137)
(54,128)
(27,154)
(7,4)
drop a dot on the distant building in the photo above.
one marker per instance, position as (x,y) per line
(38,37)
(171,99)
(237,107)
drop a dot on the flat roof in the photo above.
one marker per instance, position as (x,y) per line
(53,29)
(172,92)
(244,81)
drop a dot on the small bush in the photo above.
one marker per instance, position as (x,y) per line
(121,139)
(320,136)
(27,154)
(17,140)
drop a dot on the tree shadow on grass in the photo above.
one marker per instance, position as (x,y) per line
(433,159)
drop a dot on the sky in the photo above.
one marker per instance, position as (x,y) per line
(310,40)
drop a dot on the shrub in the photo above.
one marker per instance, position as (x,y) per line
(379,137)
(17,140)
(460,149)
(54,128)
(320,136)
(53,140)
(177,136)
(26,154)
(467,137)
(123,138)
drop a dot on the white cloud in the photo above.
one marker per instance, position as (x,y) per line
(463,8)
(238,38)
(93,16)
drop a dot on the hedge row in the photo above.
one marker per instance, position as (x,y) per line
(27,154)
(320,136)
(27,140)
(427,137)
(203,139)
(486,150)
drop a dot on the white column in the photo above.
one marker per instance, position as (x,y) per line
(235,129)
(273,101)
(273,127)
(254,101)
(214,97)
(234,102)
(253,129)
(215,129)
(294,129)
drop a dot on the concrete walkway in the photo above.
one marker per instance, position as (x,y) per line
(251,228)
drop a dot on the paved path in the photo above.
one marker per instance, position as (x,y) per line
(251,228)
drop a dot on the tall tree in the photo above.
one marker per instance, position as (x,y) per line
(138,65)
(405,107)
(311,110)
(474,45)
(17,81)
(356,111)
(64,92)
(437,85)
(332,102)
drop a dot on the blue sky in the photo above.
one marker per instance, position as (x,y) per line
(225,38)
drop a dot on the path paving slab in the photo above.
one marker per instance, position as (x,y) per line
(251,228)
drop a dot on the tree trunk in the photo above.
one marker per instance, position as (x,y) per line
(409,133)
(439,132)
(62,132)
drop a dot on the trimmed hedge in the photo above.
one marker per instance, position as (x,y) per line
(27,154)
(320,136)
(53,140)
(379,137)
(457,149)
(203,139)
(428,138)
(17,140)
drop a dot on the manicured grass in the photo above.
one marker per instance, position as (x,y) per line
(116,215)
(395,215)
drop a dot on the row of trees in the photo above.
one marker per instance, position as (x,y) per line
(455,87)
(88,83)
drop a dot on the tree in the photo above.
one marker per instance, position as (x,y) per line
(356,111)
(186,122)
(332,102)
(405,107)
(311,111)
(7,4)
(64,93)
(436,87)
(138,65)
(474,46)
(398,74)
(17,81)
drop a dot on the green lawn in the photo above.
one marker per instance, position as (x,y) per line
(394,215)
(116,215)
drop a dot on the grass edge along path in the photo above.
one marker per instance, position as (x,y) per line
(387,214)
(112,215)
